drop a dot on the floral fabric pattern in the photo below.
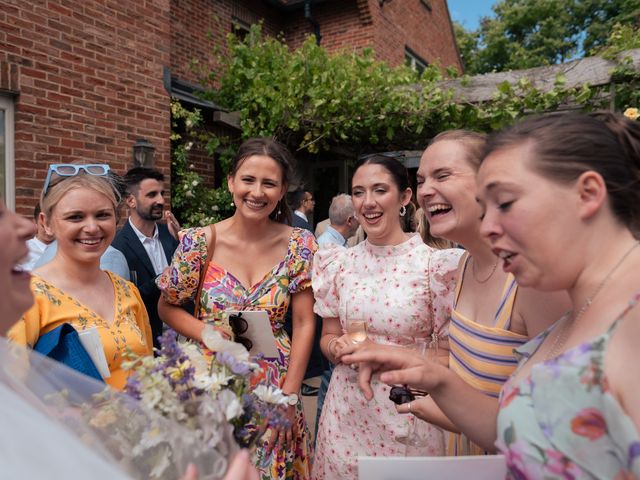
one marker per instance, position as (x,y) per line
(222,291)
(403,291)
(130,328)
(561,421)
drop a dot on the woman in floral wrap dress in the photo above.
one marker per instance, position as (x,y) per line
(258,263)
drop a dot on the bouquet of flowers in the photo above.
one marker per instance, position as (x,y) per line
(202,408)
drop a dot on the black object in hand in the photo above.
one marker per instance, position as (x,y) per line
(401,394)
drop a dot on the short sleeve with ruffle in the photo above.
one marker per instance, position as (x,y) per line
(327,264)
(302,248)
(179,281)
(443,266)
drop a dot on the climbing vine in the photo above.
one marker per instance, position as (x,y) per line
(314,101)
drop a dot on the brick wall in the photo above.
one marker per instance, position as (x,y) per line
(198,27)
(88,78)
(409,23)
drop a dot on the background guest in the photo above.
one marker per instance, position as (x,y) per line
(146,244)
(303,204)
(38,243)
(79,208)
(258,263)
(342,222)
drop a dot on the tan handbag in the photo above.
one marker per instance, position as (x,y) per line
(203,270)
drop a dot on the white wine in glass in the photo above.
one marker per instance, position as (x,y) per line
(357,330)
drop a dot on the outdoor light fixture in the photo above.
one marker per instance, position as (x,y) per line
(143,151)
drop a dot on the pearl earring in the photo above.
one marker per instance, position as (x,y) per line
(403,211)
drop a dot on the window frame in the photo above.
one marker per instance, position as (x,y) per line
(7,104)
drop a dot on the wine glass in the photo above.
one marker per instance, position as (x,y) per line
(355,324)
(418,430)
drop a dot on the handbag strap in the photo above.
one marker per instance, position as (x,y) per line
(203,270)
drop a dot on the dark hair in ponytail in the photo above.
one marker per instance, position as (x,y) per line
(565,145)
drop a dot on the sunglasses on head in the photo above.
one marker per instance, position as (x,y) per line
(71,170)
(239,326)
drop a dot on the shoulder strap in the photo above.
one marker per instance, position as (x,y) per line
(203,269)
(464,260)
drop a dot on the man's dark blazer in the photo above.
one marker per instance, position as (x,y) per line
(129,244)
(297,221)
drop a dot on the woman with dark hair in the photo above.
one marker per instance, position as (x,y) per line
(258,262)
(399,288)
(560,198)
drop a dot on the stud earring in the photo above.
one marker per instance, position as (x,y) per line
(403,211)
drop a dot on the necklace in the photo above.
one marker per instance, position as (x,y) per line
(567,322)
(485,280)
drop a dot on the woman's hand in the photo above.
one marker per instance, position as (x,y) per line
(343,344)
(240,469)
(397,366)
(284,437)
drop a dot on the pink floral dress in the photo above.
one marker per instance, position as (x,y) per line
(403,291)
(221,290)
(562,422)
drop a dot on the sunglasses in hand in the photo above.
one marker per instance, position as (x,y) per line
(239,326)
(400,394)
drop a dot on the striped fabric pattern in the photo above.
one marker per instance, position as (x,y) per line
(482,355)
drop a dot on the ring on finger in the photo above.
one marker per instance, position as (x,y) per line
(409,407)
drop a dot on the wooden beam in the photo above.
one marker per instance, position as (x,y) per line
(595,71)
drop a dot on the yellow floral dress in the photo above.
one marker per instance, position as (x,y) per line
(222,290)
(130,328)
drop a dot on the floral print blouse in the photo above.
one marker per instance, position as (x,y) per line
(561,421)
(129,330)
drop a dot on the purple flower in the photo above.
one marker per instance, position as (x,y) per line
(237,367)
(133,386)
(187,243)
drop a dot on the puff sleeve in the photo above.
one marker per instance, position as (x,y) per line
(325,277)
(443,265)
(302,249)
(179,281)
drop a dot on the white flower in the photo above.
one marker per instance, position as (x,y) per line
(215,208)
(188,146)
(233,407)
(194,183)
(632,113)
(188,194)
(213,341)
(270,394)
(213,382)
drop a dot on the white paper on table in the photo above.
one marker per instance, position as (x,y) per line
(90,340)
(259,332)
(476,467)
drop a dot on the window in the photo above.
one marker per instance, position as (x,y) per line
(413,60)
(7,178)
(239,28)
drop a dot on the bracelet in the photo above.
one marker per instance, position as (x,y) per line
(334,339)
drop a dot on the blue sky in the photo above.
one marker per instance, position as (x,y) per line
(468,12)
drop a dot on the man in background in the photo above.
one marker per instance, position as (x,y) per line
(302,203)
(146,244)
(37,244)
(342,222)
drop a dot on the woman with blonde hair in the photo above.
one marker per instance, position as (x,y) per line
(79,204)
